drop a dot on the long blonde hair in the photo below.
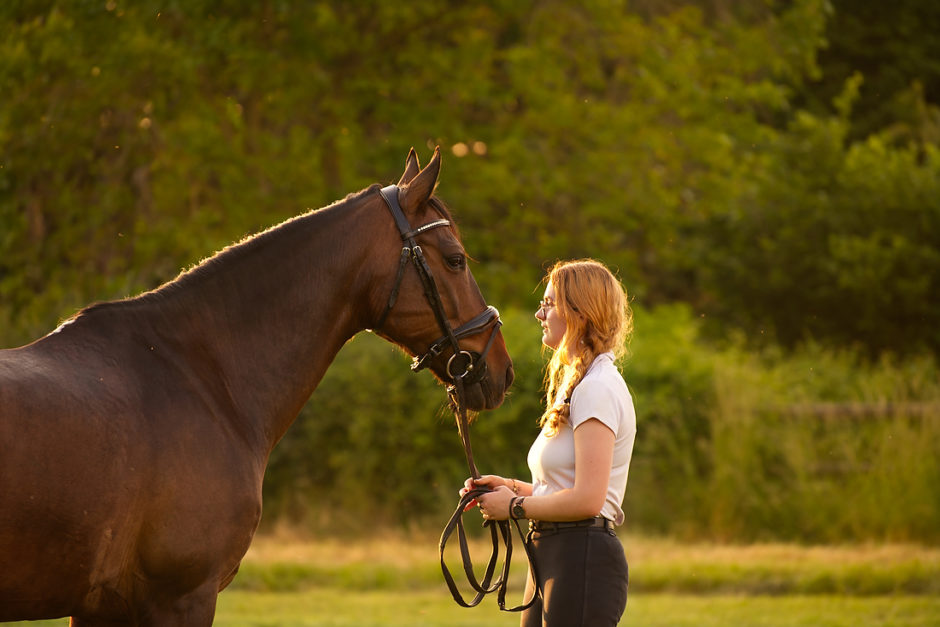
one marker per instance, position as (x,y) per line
(597,313)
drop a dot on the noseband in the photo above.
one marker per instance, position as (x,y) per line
(465,366)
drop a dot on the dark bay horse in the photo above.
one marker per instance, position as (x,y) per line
(134,438)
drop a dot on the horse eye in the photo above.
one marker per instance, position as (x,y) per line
(456,262)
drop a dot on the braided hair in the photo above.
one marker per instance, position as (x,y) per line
(598,319)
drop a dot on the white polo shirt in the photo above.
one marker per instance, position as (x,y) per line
(601,394)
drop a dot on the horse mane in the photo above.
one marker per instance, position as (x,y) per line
(209,265)
(248,243)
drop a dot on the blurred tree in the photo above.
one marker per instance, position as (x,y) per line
(142,137)
(839,242)
(895,47)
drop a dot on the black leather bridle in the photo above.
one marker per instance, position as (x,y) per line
(472,368)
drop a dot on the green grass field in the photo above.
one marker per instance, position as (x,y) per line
(321,607)
(286,582)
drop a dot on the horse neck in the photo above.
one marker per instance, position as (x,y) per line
(271,314)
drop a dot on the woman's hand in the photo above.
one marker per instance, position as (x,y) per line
(495,505)
(491,482)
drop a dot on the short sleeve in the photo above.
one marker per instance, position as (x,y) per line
(595,398)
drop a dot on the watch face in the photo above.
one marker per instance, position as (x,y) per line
(518,511)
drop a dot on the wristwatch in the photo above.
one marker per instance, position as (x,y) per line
(517,511)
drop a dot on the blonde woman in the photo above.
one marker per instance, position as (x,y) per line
(581,457)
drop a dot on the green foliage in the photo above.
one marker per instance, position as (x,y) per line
(667,141)
(671,376)
(816,446)
(753,188)
(841,243)
(812,446)
(885,42)
(376,443)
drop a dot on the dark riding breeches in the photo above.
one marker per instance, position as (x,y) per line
(583,573)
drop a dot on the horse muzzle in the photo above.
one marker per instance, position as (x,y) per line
(467,367)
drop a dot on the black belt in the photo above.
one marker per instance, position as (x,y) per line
(547,525)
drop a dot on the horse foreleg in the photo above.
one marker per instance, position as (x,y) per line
(196,609)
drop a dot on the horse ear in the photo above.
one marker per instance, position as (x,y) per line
(411,168)
(422,185)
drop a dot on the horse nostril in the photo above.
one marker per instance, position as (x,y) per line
(510,375)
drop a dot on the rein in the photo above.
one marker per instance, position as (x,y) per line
(498,529)
(473,369)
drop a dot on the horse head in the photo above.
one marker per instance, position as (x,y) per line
(431,305)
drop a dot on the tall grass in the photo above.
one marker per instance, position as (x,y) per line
(823,447)
(287,561)
(810,446)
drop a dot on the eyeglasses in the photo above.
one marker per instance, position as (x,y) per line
(548,303)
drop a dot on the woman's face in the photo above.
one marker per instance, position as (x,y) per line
(553,325)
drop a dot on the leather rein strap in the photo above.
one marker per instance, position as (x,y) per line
(474,367)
